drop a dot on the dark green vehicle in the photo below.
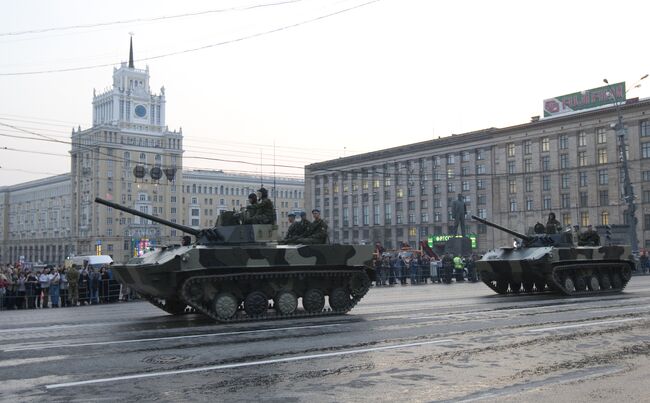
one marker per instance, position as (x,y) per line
(552,263)
(236,272)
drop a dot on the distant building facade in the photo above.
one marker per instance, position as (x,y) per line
(130,157)
(514,176)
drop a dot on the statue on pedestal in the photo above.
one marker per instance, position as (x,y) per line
(458,212)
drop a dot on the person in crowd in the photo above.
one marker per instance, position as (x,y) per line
(10,295)
(447,268)
(64,285)
(104,287)
(84,289)
(470,263)
(30,289)
(401,268)
(3,289)
(73,285)
(412,265)
(644,262)
(21,290)
(459,268)
(93,284)
(44,279)
(38,291)
(55,281)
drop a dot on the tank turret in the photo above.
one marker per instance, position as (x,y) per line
(552,263)
(236,272)
(228,231)
(561,239)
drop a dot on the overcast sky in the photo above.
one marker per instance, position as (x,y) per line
(317,79)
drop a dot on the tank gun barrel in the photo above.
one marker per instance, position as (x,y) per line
(183,228)
(526,238)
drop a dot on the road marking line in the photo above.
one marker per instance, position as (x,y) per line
(244,364)
(191,336)
(606,322)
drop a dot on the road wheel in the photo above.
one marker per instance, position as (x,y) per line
(225,305)
(314,300)
(569,285)
(175,307)
(539,286)
(605,284)
(256,303)
(286,302)
(617,283)
(515,286)
(359,284)
(528,286)
(339,299)
(593,284)
(502,286)
(580,283)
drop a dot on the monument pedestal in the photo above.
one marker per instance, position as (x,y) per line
(460,246)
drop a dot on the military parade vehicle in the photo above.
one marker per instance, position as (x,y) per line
(235,272)
(552,263)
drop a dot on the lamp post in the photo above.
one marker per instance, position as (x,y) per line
(628,190)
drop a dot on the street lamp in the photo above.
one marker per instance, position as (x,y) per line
(628,190)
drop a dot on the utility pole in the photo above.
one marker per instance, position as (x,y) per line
(628,190)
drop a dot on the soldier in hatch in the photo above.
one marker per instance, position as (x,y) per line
(264,212)
(293,231)
(317,231)
(589,237)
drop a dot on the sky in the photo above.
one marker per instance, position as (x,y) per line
(274,85)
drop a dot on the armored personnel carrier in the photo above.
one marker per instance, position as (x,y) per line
(236,272)
(552,263)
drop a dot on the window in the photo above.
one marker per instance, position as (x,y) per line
(546,163)
(584,199)
(464,156)
(511,167)
(604,218)
(529,204)
(424,217)
(450,158)
(480,184)
(424,204)
(546,144)
(355,215)
(510,149)
(450,173)
(481,199)
(602,156)
(546,183)
(645,150)
(366,217)
(603,197)
(528,147)
(583,179)
(480,154)
(512,186)
(582,139)
(465,186)
(644,128)
(584,218)
(513,205)
(564,179)
(480,169)
(582,158)
(646,196)
(564,142)
(602,177)
(546,202)
(601,135)
(564,161)
(528,165)
(451,187)
(565,200)
(528,184)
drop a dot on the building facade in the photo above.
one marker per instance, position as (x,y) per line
(129,157)
(570,165)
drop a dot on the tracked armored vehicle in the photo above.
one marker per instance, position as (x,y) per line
(236,272)
(552,263)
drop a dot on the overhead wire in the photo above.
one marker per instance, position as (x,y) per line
(199,48)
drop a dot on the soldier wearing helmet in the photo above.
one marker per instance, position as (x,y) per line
(263,211)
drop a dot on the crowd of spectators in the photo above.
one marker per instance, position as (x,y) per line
(24,287)
(412,268)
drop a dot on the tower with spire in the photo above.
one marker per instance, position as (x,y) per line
(130,102)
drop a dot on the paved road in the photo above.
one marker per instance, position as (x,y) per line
(425,343)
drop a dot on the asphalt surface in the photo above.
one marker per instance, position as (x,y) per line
(458,342)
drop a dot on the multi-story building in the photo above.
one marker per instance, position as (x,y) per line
(35,220)
(129,157)
(515,176)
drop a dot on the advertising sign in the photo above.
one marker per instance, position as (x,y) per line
(434,239)
(584,99)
